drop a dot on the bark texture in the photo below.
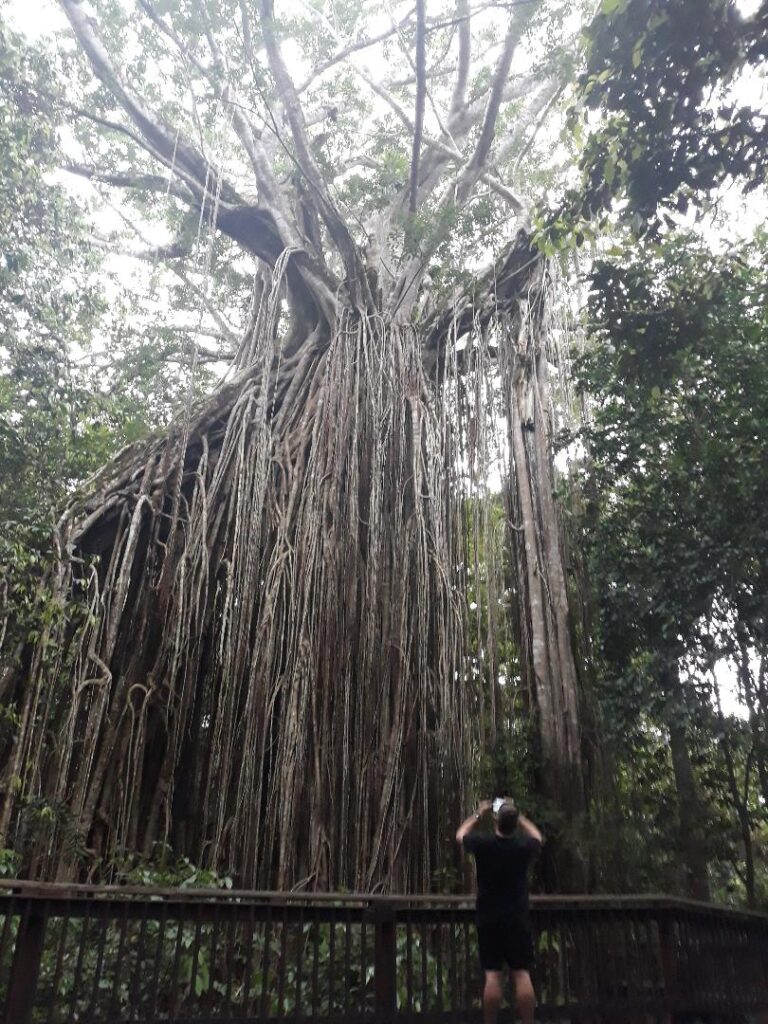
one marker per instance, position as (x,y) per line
(548,660)
(269,673)
(263,659)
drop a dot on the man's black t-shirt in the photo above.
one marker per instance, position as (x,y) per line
(502,869)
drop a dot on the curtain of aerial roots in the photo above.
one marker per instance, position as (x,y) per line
(530,343)
(272,684)
(509,368)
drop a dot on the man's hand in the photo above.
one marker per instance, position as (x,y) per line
(484,806)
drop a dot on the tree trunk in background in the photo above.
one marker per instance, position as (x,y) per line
(690,811)
(755,695)
(739,797)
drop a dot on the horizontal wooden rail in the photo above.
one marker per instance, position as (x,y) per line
(112,954)
(566,901)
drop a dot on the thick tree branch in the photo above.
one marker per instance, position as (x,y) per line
(465,48)
(219,61)
(269,189)
(460,124)
(494,292)
(162,142)
(431,76)
(291,103)
(421,77)
(464,120)
(177,250)
(255,228)
(421,91)
(133,179)
(270,192)
(538,114)
(465,117)
(245,21)
(406,288)
(193,344)
(103,122)
(356,276)
(477,161)
(357,160)
(444,151)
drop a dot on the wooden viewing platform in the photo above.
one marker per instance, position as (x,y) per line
(108,954)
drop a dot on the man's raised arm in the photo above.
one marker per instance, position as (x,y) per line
(466,826)
(527,826)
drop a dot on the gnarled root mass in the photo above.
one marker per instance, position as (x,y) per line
(265,670)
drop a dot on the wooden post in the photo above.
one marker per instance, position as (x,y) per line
(25,968)
(668,966)
(385,962)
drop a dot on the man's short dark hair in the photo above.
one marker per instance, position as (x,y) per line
(506,819)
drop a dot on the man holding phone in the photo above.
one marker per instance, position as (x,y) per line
(503,924)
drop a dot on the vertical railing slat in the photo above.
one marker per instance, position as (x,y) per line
(59,964)
(25,966)
(384,962)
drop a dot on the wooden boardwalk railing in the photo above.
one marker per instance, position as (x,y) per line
(106,955)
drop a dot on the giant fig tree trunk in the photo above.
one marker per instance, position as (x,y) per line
(269,676)
(257,646)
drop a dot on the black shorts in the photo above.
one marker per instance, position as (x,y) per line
(507,941)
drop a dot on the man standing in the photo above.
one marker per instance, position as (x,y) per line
(503,924)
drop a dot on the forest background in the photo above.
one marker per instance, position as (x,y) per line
(615,149)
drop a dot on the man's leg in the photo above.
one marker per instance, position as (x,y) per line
(525,1000)
(492,996)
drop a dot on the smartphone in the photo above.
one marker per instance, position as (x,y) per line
(497,802)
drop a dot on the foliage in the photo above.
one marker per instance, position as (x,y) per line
(50,303)
(77,381)
(677,375)
(164,869)
(9,863)
(679,378)
(663,74)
